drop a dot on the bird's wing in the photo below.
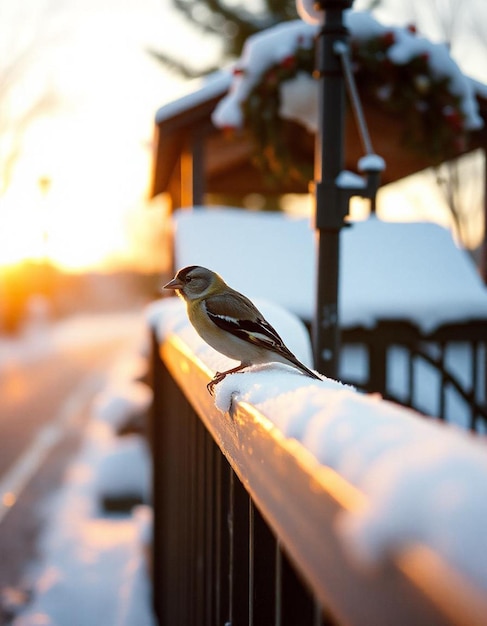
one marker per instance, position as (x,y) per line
(237,315)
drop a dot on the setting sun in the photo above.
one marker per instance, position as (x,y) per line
(67,214)
(65,201)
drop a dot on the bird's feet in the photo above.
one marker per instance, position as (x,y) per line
(217,378)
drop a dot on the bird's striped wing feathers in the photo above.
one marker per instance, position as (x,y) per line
(238,316)
(235,314)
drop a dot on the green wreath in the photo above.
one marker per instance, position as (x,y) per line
(431,115)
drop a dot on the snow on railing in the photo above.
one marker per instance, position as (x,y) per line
(381,512)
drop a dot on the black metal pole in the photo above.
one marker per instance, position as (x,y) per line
(331,206)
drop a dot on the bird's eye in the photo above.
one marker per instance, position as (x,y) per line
(188,279)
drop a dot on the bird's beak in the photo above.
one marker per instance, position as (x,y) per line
(175,283)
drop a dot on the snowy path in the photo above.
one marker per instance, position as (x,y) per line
(31,460)
(92,569)
(57,372)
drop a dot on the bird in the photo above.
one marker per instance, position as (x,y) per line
(230,323)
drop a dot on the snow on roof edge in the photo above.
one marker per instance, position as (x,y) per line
(208,87)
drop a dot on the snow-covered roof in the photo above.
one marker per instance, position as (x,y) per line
(388,270)
(220,96)
(207,88)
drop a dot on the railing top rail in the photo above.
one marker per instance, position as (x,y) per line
(302,500)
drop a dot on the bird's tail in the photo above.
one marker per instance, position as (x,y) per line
(294,361)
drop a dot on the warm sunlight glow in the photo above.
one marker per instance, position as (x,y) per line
(61,204)
(67,197)
(76,196)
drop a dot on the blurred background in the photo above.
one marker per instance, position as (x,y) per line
(79,89)
(80,83)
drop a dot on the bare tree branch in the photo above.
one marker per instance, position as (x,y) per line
(20,55)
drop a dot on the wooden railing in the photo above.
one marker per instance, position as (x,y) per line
(244,525)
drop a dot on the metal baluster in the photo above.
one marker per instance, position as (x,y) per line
(231,564)
(443,388)
(278,586)
(187,545)
(210,547)
(222,592)
(317,617)
(475,373)
(412,381)
(200,522)
(409,356)
(218,535)
(251,562)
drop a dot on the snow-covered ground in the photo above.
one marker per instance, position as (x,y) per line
(92,567)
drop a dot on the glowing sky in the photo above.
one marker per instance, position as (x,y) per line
(94,143)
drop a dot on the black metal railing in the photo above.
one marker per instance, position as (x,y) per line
(243,525)
(216,561)
(464,385)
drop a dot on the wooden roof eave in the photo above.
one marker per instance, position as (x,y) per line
(228,162)
(170,137)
